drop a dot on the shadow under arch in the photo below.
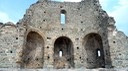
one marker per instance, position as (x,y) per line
(94,50)
(33,52)
(63,53)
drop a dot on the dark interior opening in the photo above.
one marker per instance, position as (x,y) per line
(94,50)
(33,50)
(63,46)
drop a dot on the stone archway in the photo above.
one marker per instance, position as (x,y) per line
(33,52)
(94,51)
(63,53)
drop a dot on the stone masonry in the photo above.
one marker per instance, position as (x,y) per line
(87,39)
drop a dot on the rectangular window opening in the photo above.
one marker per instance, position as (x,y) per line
(99,53)
(62,18)
(60,53)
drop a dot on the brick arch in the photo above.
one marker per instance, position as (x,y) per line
(94,51)
(65,45)
(33,52)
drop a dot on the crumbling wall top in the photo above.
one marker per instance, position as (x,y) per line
(43,0)
(7,24)
(111,21)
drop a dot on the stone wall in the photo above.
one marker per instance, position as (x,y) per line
(8,45)
(118,43)
(100,69)
(88,38)
(82,18)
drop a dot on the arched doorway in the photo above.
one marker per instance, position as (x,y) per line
(63,53)
(94,51)
(33,52)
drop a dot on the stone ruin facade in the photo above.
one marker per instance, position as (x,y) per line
(85,38)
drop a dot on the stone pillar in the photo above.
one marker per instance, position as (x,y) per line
(19,50)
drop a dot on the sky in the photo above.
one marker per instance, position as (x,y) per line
(13,10)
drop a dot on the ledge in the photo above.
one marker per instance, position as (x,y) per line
(100,69)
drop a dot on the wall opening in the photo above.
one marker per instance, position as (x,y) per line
(94,50)
(60,53)
(33,50)
(63,17)
(63,53)
(98,53)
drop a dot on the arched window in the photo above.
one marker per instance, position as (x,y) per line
(63,17)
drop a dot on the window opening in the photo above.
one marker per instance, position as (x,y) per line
(60,53)
(98,53)
(63,17)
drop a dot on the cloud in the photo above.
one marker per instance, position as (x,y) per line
(120,14)
(119,11)
(104,3)
(4,18)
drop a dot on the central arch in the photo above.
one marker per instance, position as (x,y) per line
(63,53)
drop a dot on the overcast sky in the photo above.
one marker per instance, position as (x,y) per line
(13,10)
